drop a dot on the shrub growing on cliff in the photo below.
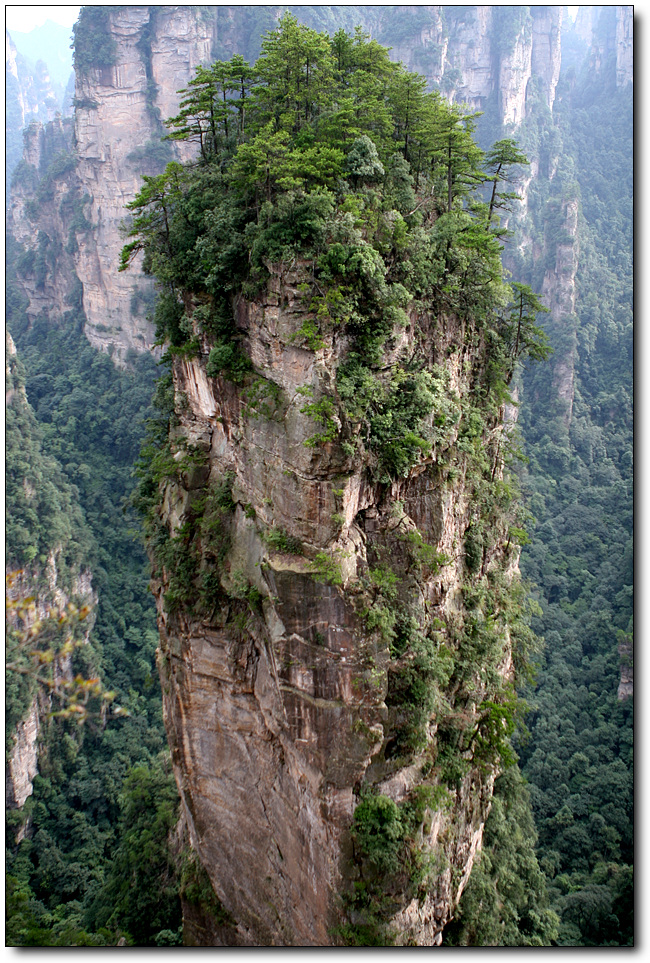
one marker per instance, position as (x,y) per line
(378,832)
(93,45)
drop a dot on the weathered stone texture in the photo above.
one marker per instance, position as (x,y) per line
(275,724)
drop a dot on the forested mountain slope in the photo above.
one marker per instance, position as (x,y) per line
(89,815)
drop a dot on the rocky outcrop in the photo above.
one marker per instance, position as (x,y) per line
(41,218)
(35,592)
(626,656)
(117,122)
(50,601)
(624,45)
(277,698)
(559,293)
(22,765)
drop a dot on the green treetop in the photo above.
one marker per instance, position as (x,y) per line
(327,149)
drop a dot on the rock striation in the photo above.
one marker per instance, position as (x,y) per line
(624,45)
(559,293)
(41,218)
(278,702)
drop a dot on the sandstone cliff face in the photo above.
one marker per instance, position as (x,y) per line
(277,710)
(559,292)
(42,221)
(119,117)
(34,94)
(22,765)
(624,45)
(461,50)
(111,120)
(469,50)
(43,585)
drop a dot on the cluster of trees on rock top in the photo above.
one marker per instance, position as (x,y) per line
(67,883)
(279,140)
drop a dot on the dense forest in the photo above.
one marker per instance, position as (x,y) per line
(578,759)
(100,862)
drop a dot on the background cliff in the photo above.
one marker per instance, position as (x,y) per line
(34,90)
(570,242)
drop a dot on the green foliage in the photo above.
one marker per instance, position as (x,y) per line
(90,418)
(29,923)
(192,558)
(281,541)
(321,411)
(197,889)
(503,155)
(93,45)
(509,25)
(43,513)
(404,417)
(417,679)
(579,759)
(505,902)
(378,832)
(389,857)
(263,397)
(141,893)
(327,568)
(154,154)
(362,163)
(226,359)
